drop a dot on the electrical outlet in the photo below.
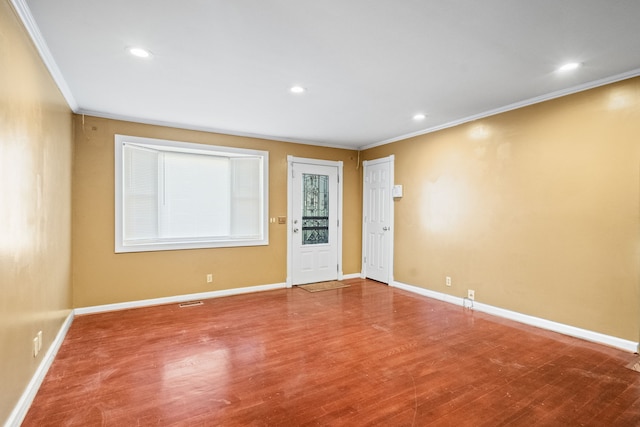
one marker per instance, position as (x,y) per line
(209,278)
(471,294)
(448,281)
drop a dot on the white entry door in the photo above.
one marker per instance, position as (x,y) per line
(314,238)
(377,221)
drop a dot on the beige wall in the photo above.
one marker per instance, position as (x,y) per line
(35,208)
(102,277)
(536,209)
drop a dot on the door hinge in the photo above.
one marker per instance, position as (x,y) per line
(338,179)
(338,267)
(338,223)
(365,260)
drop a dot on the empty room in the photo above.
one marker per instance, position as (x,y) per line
(287,213)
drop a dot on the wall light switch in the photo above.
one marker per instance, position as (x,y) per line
(396,192)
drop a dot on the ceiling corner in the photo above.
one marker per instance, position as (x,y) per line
(22,9)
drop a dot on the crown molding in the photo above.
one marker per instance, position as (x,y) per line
(23,11)
(535,100)
(209,129)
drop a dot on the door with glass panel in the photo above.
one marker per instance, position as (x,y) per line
(314,223)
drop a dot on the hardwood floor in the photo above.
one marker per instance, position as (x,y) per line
(366,355)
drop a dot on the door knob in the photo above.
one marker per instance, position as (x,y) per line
(295,230)
(386,228)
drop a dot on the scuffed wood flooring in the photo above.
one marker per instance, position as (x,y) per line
(366,355)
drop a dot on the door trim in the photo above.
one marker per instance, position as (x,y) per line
(291,160)
(391,161)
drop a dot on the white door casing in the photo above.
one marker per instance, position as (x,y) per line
(314,249)
(377,220)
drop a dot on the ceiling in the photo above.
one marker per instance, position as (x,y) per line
(368,66)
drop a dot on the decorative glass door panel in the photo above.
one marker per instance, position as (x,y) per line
(314,223)
(315,209)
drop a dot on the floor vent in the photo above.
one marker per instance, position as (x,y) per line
(190,303)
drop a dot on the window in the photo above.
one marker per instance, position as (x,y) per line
(177,195)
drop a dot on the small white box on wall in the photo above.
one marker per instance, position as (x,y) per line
(396,192)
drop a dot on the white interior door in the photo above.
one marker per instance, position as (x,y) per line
(377,221)
(314,223)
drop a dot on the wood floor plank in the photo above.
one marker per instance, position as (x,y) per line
(366,355)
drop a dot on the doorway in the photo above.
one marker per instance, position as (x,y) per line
(314,234)
(377,220)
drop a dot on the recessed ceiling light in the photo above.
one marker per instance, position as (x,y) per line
(569,66)
(139,52)
(297,89)
(419,116)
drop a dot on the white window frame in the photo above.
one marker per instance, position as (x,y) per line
(185,147)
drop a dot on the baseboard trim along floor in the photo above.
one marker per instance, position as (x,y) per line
(186,297)
(177,299)
(524,318)
(22,407)
(27,397)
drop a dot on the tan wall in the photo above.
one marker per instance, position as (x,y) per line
(101,277)
(536,209)
(35,208)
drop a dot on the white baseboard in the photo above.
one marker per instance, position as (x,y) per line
(186,297)
(526,319)
(176,299)
(22,407)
